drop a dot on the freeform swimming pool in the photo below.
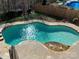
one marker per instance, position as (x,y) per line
(40,32)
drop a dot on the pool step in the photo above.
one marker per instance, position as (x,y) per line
(1,37)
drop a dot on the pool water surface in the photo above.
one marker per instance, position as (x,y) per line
(41,32)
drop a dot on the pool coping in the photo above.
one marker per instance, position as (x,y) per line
(41,21)
(74,27)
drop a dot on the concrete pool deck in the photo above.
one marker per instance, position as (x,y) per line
(36,50)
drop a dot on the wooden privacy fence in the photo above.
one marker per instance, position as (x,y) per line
(56,11)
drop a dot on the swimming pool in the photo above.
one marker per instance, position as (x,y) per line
(40,32)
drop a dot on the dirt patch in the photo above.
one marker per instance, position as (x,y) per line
(56,46)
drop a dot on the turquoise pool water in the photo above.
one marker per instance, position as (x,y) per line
(40,32)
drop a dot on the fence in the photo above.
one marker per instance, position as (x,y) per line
(14,5)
